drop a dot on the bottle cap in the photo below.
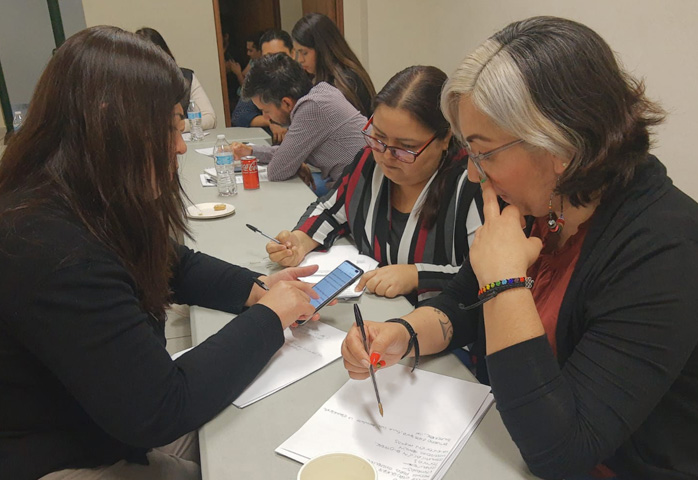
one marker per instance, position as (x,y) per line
(18,112)
(221,137)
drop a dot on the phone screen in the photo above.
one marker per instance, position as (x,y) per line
(333,284)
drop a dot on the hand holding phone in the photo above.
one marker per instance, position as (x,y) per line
(333,284)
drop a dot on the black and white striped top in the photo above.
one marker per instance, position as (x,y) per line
(360,205)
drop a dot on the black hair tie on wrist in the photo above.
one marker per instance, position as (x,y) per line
(414,342)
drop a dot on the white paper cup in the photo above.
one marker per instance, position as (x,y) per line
(337,466)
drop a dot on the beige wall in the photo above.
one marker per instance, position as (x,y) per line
(291,11)
(187,26)
(356,29)
(654,40)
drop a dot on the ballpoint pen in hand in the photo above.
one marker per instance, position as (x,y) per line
(260,283)
(257,230)
(360,325)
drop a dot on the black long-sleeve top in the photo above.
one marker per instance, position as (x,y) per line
(623,389)
(85,379)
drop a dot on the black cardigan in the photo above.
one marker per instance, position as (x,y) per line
(623,389)
(85,379)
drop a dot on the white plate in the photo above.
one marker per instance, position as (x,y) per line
(205,210)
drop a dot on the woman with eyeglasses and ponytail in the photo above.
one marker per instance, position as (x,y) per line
(405,199)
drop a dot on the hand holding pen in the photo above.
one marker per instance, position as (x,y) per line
(257,230)
(290,251)
(360,326)
(287,296)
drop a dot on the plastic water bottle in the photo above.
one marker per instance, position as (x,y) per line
(17,121)
(194,116)
(225,171)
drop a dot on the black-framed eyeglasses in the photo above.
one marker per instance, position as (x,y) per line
(405,156)
(477,158)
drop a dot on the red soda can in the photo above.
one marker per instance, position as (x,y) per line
(250,175)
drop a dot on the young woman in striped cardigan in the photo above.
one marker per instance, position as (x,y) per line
(405,199)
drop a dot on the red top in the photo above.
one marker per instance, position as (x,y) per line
(552,272)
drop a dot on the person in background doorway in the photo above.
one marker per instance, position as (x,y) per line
(324,53)
(196,91)
(253,53)
(246,114)
(324,129)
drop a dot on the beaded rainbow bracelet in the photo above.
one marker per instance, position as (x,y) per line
(502,285)
(491,290)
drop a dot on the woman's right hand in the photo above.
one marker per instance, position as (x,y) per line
(387,344)
(293,248)
(291,301)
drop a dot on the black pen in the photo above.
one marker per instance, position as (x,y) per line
(257,230)
(360,324)
(260,283)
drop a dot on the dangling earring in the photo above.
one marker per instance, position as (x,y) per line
(556,223)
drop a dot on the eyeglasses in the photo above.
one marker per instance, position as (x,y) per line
(405,156)
(477,158)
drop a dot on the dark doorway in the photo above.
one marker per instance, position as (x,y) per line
(332,8)
(240,19)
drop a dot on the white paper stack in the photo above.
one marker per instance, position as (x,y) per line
(329,260)
(306,349)
(428,419)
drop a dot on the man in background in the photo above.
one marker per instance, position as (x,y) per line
(246,114)
(324,129)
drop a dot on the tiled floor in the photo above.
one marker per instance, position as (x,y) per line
(177,329)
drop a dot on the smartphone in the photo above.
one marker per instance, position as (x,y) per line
(333,284)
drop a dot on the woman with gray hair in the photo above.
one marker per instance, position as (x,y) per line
(594,360)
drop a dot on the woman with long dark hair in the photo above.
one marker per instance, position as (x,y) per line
(196,91)
(405,199)
(89,197)
(324,53)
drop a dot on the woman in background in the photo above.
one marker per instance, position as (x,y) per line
(196,91)
(405,199)
(89,196)
(324,53)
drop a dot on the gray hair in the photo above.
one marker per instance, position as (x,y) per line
(555,84)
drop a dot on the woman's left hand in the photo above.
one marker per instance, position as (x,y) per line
(501,249)
(286,275)
(289,274)
(390,281)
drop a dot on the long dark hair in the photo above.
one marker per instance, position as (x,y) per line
(98,142)
(154,36)
(335,60)
(417,90)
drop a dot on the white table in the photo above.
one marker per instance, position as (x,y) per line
(240,443)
